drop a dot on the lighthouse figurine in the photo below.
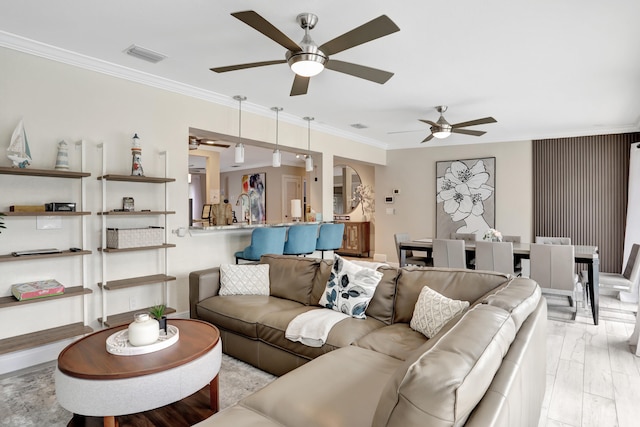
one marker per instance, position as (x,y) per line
(136,154)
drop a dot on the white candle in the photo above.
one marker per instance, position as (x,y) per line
(296,208)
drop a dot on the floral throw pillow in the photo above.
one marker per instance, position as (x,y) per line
(433,310)
(350,288)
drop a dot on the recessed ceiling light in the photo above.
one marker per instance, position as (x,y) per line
(359,126)
(144,54)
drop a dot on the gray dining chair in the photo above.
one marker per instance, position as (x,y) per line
(449,253)
(469,237)
(494,256)
(410,258)
(513,239)
(628,279)
(546,240)
(553,268)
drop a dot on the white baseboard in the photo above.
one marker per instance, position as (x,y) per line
(34,356)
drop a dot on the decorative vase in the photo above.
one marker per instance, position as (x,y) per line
(144,330)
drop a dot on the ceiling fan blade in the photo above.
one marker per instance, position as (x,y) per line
(429,122)
(260,24)
(468,132)
(300,85)
(482,121)
(249,65)
(374,29)
(368,73)
(427,139)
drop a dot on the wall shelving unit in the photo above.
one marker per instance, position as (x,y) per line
(113,319)
(50,335)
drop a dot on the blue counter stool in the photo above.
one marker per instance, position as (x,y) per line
(301,239)
(330,237)
(264,240)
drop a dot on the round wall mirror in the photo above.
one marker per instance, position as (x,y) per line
(345,181)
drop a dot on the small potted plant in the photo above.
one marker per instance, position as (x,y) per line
(157,311)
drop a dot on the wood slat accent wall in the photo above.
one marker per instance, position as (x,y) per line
(580,191)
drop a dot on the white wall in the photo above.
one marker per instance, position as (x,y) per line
(413,173)
(60,101)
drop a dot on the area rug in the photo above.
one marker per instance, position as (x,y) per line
(29,399)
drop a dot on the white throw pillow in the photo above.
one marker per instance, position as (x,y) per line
(244,279)
(433,310)
(350,288)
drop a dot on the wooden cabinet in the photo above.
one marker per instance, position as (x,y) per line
(356,240)
(111,268)
(73,260)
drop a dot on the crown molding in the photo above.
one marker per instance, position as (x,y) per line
(43,50)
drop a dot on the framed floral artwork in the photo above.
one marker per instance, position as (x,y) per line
(465,197)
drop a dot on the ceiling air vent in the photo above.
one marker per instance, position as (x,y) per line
(144,54)
(359,126)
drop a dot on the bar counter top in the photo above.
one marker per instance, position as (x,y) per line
(245,225)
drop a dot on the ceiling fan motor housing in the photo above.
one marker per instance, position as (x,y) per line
(310,51)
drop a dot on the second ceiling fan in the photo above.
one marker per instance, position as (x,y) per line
(307,59)
(442,128)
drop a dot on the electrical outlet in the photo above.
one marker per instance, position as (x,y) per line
(133,303)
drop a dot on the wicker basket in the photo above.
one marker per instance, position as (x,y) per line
(123,238)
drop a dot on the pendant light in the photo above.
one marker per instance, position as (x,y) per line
(239,152)
(276,159)
(308,160)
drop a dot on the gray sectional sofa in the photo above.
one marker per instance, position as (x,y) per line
(485,367)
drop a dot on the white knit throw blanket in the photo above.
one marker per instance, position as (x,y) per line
(312,327)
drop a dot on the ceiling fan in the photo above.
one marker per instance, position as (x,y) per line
(194,143)
(442,128)
(307,59)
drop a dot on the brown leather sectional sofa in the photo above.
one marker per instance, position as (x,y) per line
(486,367)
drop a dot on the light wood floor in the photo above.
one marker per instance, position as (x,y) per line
(593,379)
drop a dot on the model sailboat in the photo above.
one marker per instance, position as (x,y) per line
(18,151)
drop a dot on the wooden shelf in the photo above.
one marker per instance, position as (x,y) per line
(46,213)
(10,258)
(136,281)
(51,173)
(133,178)
(73,291)
(126,318)
(141,248)
(138,213)
(47,336)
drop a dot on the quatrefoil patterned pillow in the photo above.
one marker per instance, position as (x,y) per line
(350,288)
(252,279)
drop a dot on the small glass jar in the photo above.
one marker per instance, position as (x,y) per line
(144,330)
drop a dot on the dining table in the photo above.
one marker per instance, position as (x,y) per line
(584,254)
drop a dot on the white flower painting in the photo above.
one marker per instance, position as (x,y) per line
(465,195)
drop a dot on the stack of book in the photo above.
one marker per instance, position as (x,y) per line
(37,289)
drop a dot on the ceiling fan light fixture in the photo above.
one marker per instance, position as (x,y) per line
(306,64)
(441,132)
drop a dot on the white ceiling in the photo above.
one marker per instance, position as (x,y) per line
(543,68)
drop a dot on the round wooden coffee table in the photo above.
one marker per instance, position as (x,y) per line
(93,382)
